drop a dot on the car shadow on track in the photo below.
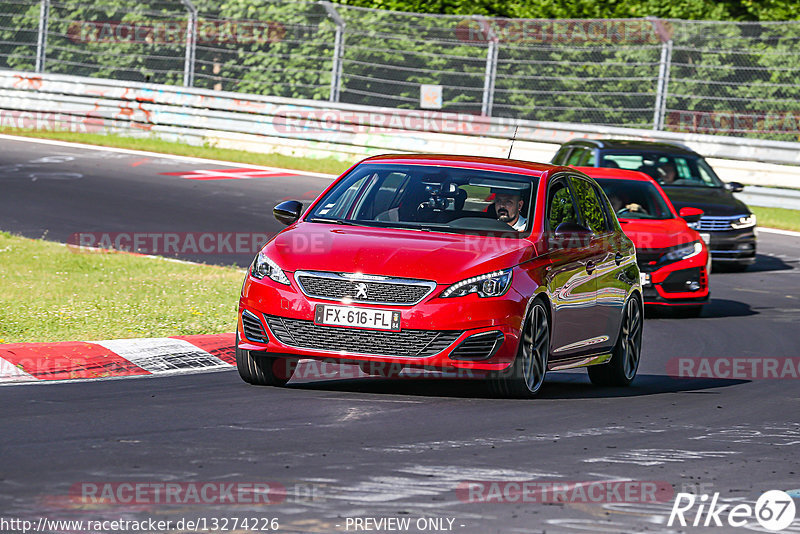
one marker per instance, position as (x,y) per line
(763,263)
(714,309)
(559,385)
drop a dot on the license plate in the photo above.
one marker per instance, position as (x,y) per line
(706,238)
(644,278)
(325,314)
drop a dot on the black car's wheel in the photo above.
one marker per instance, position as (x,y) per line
(525,377)
(621,370)
(261,370)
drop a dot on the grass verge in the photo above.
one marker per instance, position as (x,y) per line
(326,165)
(782,218)
(52,293)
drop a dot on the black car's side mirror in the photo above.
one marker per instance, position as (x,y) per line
(288,212)
(734,187)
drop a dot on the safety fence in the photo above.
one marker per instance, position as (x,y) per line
(719,78)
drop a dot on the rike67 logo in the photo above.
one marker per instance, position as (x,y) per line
(774,511)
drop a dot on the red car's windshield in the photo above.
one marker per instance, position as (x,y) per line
(428,197)
(633,199)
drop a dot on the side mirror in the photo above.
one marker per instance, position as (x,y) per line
(691,215)
(288,212)
(734,187)
(570,235)
(571,228)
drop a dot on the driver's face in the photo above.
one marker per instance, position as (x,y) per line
(507,207)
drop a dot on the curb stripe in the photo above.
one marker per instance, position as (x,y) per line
(63,361)
(10,372)
(219,345)
(164,355)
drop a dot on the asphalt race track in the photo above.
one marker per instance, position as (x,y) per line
(378,448)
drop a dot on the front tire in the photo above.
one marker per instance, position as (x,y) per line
(621,370)
(260,370)
(525,376)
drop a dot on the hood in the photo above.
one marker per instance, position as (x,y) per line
(444,258)
(715,201)
(649,234)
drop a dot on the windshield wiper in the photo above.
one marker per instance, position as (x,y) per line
(333,221)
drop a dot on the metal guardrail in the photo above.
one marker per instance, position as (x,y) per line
(315,128)
(770,197)
(716,77)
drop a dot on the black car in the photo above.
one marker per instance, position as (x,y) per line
(727,225)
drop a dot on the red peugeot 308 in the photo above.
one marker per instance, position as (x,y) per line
(673,258)
(447,263)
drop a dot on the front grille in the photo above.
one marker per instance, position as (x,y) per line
(478,347)
(410,343)
(334,286)
(253,330)
(715,224)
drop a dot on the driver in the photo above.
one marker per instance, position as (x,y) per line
(667,173)
(507,204)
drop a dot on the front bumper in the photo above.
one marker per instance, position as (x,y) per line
(733,246)
(671,285)
(287,318)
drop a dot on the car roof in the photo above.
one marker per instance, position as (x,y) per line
(631,144)
(616,174)
(474,162)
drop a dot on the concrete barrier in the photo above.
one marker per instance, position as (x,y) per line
(317,129)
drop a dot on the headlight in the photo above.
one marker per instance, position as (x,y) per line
(744,222)
(263,266)
(486,285)
(685,252)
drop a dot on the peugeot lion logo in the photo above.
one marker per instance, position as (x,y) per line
(361,290)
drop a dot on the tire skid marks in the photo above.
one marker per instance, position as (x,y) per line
(650,457)
(783,435)
(483,442)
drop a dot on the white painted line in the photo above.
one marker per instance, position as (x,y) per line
(188,159)
(777,231)
(35,382)
(164,355)
(11,373)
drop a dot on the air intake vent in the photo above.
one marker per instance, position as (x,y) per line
(410,343)
(478,347)
(253,330)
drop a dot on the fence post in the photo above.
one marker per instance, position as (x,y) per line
(191,43)
(41,43)
(662,88)
(338,50)
(491,67)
